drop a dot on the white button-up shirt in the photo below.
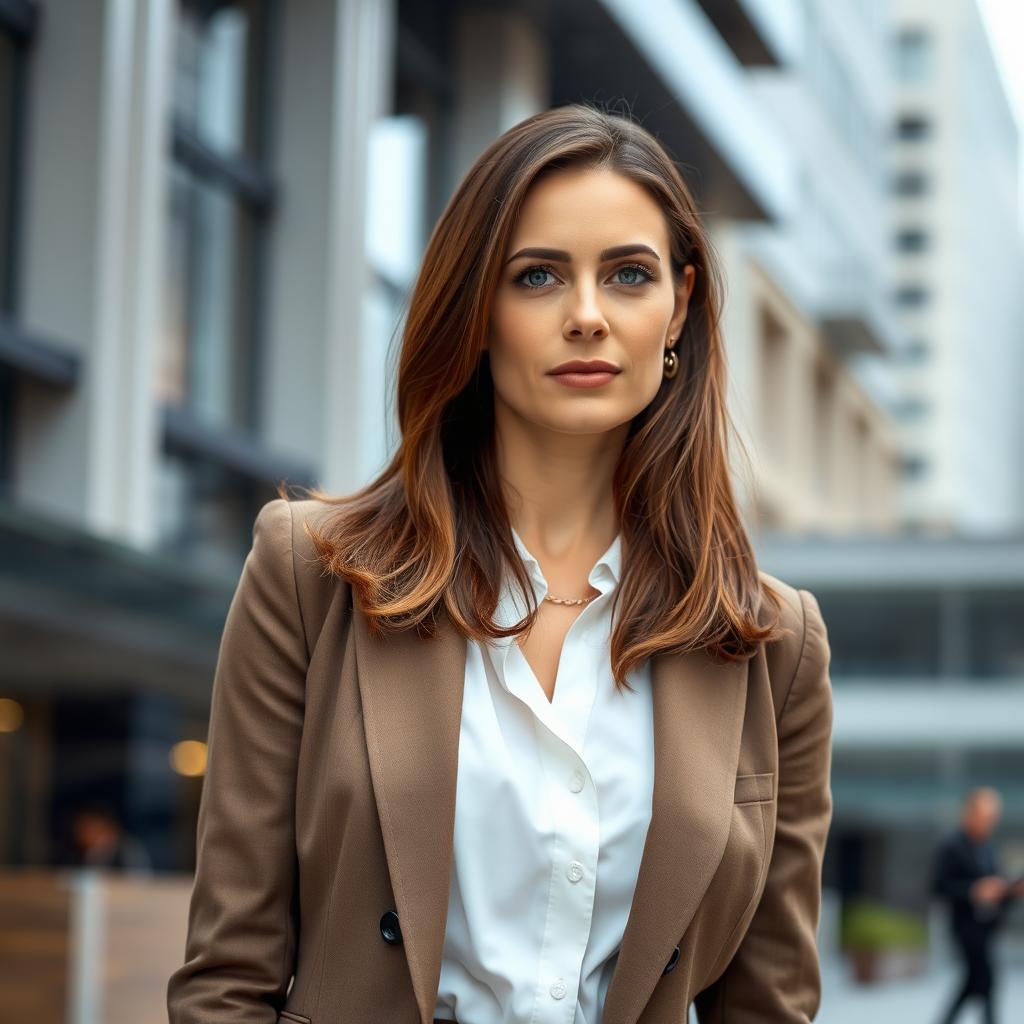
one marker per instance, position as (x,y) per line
(553,802)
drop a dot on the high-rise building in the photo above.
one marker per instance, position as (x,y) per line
(956,268)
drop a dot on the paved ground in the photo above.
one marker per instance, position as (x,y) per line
(912,1001)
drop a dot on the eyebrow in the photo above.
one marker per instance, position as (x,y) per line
(561,256)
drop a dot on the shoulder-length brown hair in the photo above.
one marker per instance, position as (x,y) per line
(432,530)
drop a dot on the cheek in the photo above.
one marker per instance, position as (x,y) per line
(515,346)
(513,324)
(649,366)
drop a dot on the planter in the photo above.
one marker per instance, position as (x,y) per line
(872,965)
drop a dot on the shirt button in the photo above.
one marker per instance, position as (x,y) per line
(558,989)
(575,871)
(576,782)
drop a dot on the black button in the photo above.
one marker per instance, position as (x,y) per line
(672,961)
(389,928)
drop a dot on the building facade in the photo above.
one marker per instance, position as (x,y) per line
(956,262)
(927,673)
(212,214)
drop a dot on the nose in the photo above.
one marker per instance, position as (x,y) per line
(586,320)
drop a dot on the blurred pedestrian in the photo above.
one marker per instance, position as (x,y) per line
(103,842)
(966,873)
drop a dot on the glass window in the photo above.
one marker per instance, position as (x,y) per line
(205,514)
(911,295)
(824,409)
(893,782)
(912,127)
(7,155)
(217,85)
(910,183)
(888,765)
(206,359)
(914,467)
(911,408)
(887,634)
(915,351)
(912,240)
(220,201)
(998,766)
(17,24)
(913,55)
(996,635)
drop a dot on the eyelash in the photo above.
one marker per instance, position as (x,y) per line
(551,270)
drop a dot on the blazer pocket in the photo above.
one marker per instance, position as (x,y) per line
(296,1018)
(753,788)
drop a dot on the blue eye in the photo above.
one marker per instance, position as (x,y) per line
(629,268)
(533,270)
(636,268)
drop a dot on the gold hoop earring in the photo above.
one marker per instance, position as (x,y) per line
(671,364)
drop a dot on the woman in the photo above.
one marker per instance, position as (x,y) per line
(519,731)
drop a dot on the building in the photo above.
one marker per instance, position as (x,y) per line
(213,212)
(814,331)
(928,680)
(956,262)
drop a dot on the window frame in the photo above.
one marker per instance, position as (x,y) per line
(246,178)
(24,355)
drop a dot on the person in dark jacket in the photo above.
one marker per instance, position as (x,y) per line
(967,874)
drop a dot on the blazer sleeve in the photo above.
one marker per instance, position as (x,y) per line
(775,976)
(241,935)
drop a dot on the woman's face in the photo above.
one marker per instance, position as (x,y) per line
(602,289)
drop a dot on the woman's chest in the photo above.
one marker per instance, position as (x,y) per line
(542,648)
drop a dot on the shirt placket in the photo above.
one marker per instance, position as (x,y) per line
(571,799)
(568,788)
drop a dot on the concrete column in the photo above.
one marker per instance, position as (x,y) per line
(335,85)
(94,216)
(793,405)
(133,434)
(502,77)
(805,439)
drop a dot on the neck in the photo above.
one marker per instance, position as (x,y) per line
(558,487)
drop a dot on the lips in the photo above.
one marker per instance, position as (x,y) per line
(585,366)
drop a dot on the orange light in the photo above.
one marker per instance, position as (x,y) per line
(188,757)
(12,714)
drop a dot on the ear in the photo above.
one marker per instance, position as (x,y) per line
(683,292)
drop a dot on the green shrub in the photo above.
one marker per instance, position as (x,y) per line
(870,925)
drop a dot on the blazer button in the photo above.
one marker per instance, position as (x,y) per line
(672,961)
(389,928)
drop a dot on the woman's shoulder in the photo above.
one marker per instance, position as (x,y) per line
(283,521)
(279,526)
(803,644)
(307,511)
(281,535)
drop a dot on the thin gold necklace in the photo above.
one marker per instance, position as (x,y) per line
(565,600)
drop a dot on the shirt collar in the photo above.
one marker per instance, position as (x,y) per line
(604,576)
(607,568)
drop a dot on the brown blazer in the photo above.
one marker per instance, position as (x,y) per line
(329,799)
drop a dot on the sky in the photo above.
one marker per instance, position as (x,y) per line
(1004,20)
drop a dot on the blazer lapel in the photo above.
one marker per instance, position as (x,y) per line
(698,718)
(411,692)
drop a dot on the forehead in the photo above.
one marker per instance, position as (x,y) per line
(985,801)
(585,211)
